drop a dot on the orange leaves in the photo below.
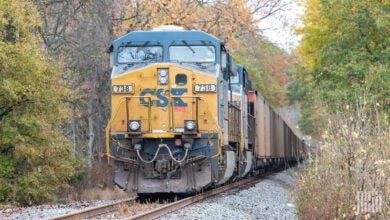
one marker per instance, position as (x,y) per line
(175,12)
(223,19)
(277,67)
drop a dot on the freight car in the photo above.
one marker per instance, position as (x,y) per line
(184,117)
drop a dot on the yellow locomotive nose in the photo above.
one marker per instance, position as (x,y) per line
(165,100)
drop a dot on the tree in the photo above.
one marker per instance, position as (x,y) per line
(344,51)
(36,162)
(223,19)
(77,34)
(344,79)
(267,65)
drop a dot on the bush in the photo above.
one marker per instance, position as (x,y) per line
(353,158)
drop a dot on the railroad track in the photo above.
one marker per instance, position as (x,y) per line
(96,212)
(193,199)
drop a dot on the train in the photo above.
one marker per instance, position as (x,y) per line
(185,117)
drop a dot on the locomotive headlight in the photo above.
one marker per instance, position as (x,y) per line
(163,80)
(162,76)
(163,72)
(134,125)
(189,125)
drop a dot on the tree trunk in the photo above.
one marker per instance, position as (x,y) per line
(91,136)
(74,127)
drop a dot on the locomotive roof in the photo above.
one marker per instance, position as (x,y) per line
(167,37)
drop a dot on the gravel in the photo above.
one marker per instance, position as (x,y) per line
(49,211)
(269,199)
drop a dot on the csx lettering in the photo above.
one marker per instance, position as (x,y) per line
(178,101)
(158,98)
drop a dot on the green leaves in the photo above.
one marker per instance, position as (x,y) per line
(31,113)
(18,20)
(345,81)
(344,50)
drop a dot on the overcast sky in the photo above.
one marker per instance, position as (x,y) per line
(280,33)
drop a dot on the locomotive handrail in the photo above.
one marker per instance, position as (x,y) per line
(172,105)
(108,140)
(124,98)
(121,100)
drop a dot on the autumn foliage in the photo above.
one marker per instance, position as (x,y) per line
(35,160)
(344,52)
(226,20)
(343,84)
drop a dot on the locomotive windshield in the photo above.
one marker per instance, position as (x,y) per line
(131,55)
(188,53)
(140,54)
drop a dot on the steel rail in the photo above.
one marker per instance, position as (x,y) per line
(163,210)
(95,211)
(171,207)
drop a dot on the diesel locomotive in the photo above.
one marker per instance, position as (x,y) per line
(185,117)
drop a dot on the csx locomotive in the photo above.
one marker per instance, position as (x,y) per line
(184,117)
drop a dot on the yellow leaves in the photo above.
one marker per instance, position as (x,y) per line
(223,19)
(174,12)
(18,19)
